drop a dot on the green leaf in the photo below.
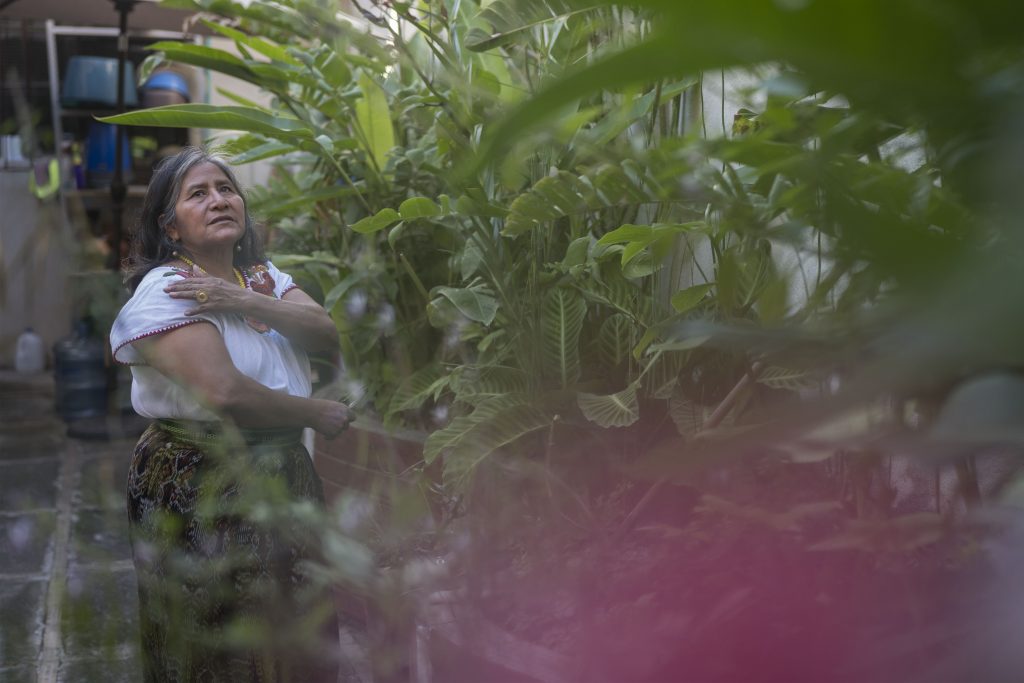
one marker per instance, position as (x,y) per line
(417,388)
(471,259)
(643,63)
(473,385)
(564,194)
(577,252)
(418,207)
(337,291)
(334,69)
(614,339)
(378,221)
(681,344)
(550,198)
(303,202)
(216,117)
(637,238)
(265,151)
(786,378)
(614,410)
(510,18)
(687,416)
(687,299)
(626,233)
(212,58)
(475,203)
(450,435)
(374,121)
(259,45)
(486,436)
(476,303)
(561,324)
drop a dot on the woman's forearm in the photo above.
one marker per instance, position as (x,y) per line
(250,404)
(305,323)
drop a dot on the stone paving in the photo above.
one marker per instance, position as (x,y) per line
(67,587)
(68,602)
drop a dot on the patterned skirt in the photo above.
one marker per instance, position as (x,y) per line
(225,543)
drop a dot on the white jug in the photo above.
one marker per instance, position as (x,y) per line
(29,354)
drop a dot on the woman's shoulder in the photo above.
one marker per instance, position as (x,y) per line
(159,275)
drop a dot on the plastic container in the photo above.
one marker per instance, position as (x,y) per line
(163,88)
(92,81)
(29,353)
(100,150)
(80,374)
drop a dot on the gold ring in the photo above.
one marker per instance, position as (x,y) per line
(201,296)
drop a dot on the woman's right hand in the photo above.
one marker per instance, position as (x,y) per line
(332,417)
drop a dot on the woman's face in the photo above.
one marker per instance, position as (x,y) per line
(209,212)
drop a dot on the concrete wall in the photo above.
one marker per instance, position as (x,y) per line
(36,266)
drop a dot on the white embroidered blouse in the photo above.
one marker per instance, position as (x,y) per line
(267,357)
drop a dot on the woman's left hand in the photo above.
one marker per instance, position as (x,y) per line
(210,294)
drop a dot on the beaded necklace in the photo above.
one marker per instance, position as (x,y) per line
(192,264)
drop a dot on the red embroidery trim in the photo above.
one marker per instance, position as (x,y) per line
(258,279)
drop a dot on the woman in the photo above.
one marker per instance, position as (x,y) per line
(221,493)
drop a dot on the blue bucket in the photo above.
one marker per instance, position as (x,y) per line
(92,81)
(100,151)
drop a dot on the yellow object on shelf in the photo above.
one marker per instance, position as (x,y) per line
(49,188)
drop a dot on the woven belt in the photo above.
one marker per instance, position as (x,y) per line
(207,433)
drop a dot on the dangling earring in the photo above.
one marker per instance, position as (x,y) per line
(238,247)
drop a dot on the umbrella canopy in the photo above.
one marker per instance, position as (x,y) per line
(145,15)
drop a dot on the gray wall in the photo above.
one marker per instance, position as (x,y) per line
(36,265)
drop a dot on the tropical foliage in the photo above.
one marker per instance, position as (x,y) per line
(501,272)
(534,248)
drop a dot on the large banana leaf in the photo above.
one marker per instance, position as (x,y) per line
(216,117)
(561,324)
